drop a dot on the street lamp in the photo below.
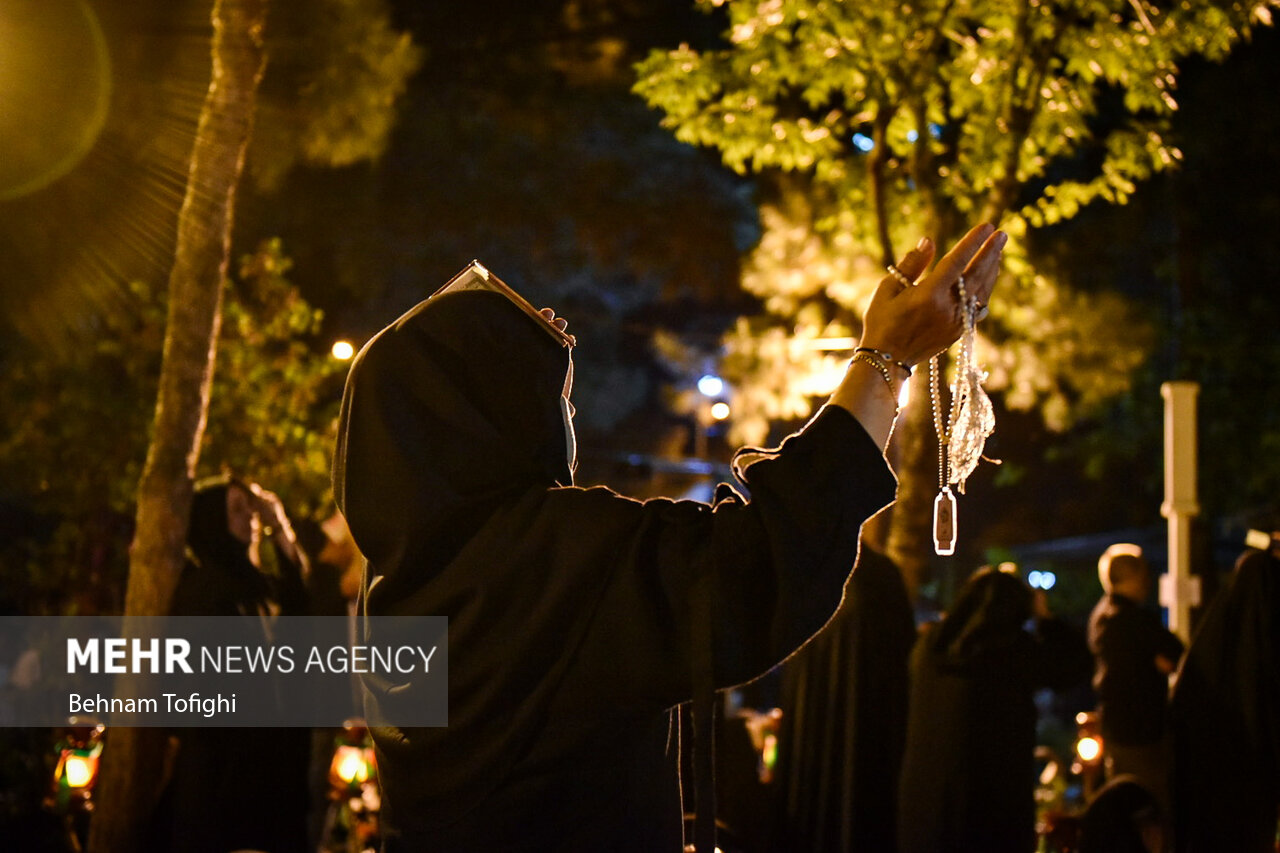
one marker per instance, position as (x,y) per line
(710,385)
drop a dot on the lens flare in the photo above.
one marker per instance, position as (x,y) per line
(55,84)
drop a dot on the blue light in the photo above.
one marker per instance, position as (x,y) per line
(1042,580)
(863,142)
(710,386)
(912,135)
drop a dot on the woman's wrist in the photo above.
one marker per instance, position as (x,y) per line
(896,366)
(869,393)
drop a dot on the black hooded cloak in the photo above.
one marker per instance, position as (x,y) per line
(968,776)
(844,720)
(233,788)
(570,616)
(1226,717)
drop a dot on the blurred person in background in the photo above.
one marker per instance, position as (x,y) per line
(1124,817)
(1134,655)
(237,788)
(969,776)
(844,717)
(1226,714)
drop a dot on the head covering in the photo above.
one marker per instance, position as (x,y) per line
(450,436)
(228,581)
(987,616)
(209,533)
(448,412)
(1114,819)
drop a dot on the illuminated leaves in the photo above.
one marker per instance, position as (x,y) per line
(274,401)
(1063,353)
(1018,111)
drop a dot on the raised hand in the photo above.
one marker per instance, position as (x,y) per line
(918,315)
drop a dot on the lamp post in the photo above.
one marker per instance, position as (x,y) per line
(1179,588)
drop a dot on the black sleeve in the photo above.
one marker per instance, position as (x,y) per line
(1167,643)
(775,566)
(198,593)
(780,562)
(287,585)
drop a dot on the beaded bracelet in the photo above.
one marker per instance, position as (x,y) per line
(886,357)
(881,368)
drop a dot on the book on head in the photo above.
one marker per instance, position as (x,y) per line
(475,276)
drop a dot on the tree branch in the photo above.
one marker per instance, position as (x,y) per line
(1020,115)
(877,161)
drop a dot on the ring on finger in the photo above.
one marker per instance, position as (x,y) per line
(900,276)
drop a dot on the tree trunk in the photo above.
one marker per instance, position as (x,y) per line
(131,770)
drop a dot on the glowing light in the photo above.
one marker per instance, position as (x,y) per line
(720,411)
(1088,749)
(839,344)
(56,89)
(863,142)
(710,386)
(769,755)
(343,350)
(80,770)
(1042,580)
(350,764)
(913,135)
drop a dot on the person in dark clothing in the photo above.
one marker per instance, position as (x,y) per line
(237,788)
(1134,654)
(1123,817)
(844,719)
(968,776)
(578,617)
(1226,715)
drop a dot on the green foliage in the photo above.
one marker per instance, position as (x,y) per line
(902,117)
(74,435)
(335,72)
(965,97)
(273,408)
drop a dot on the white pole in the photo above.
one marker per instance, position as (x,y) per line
(1180,589)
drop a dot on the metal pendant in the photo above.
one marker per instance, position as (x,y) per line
(944,523)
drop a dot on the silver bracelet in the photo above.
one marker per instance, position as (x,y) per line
(887,358)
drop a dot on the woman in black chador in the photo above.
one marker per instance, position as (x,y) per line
(844,719)
(578,617)
(237,788)
(968,777)
(1226,715)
